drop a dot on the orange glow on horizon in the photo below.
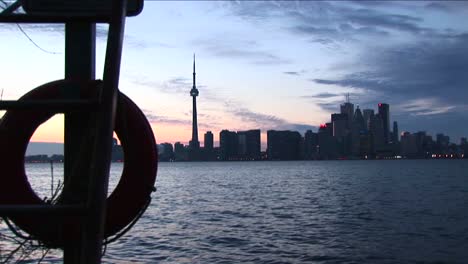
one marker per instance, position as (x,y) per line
(50,131)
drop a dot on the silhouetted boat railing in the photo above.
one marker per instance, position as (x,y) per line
(87,166)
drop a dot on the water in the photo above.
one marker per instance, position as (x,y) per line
(399,211)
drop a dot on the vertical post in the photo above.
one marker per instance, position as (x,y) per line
(80,44)
(94,229)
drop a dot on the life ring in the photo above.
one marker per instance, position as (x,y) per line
(130,196)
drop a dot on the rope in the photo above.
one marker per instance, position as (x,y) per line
(16,231)
(126,229)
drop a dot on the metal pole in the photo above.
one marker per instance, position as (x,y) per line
(94,229)
(80,44)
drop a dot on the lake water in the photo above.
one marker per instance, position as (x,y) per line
(395,211)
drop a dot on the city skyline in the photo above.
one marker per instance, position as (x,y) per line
(272,65)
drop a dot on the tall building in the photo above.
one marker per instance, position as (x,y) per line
(377,133)
(341,133)
(227,145)
(367,114)
(248,143)
(395,132)
(339,123)
(348,109)
(409,147)
(358,120)
(310,145)
(326,142)
(166,152)
(194,144)
(208,142)
(180,153)
(283,145)
(357,129)
(384,113)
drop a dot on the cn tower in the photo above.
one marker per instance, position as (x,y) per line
(194,143)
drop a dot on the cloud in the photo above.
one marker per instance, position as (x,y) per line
(232,48)
(159,119)
(407,72)
(292,73)
(447,6)
(323,95)
(295,73)
(263,121)
(343,21)
(425,107)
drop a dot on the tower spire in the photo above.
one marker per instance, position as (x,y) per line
(194,84)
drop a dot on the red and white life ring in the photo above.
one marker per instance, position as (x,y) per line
(130,195)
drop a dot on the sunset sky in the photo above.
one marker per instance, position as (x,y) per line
(270,64)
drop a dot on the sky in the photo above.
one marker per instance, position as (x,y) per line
(270,64)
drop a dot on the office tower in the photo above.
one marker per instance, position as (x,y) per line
(341,133)
(357,128)
(166,152)
(208,142)
(194,143)
(409,147)
(358,120)
(443,143)
(384,113)
(367,114)
(339,124)
(283,145)
(377,133)
(442,140)
(180,152)
(395,132)
(348,109)
(326,143)
(310,145)
(463,141)
(227,145)
(248,144)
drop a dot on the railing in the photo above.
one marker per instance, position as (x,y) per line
(88,170)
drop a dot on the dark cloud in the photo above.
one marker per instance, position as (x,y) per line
(295,73)
(177,85)
(292,73)
(426,69)
(262,121)
(239,49)
(330,22)
(324,95)
(447,6)
(158,119)
(374,19)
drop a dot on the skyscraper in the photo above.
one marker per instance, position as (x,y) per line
(227,145)
(248,144)
(367,114)
(348,109)
(358,120)
(340,123)
(395,132)
(208,143)
(310,145)
(283,145)
(384,112)
(194,144)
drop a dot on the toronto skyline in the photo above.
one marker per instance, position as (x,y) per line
(266,65)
